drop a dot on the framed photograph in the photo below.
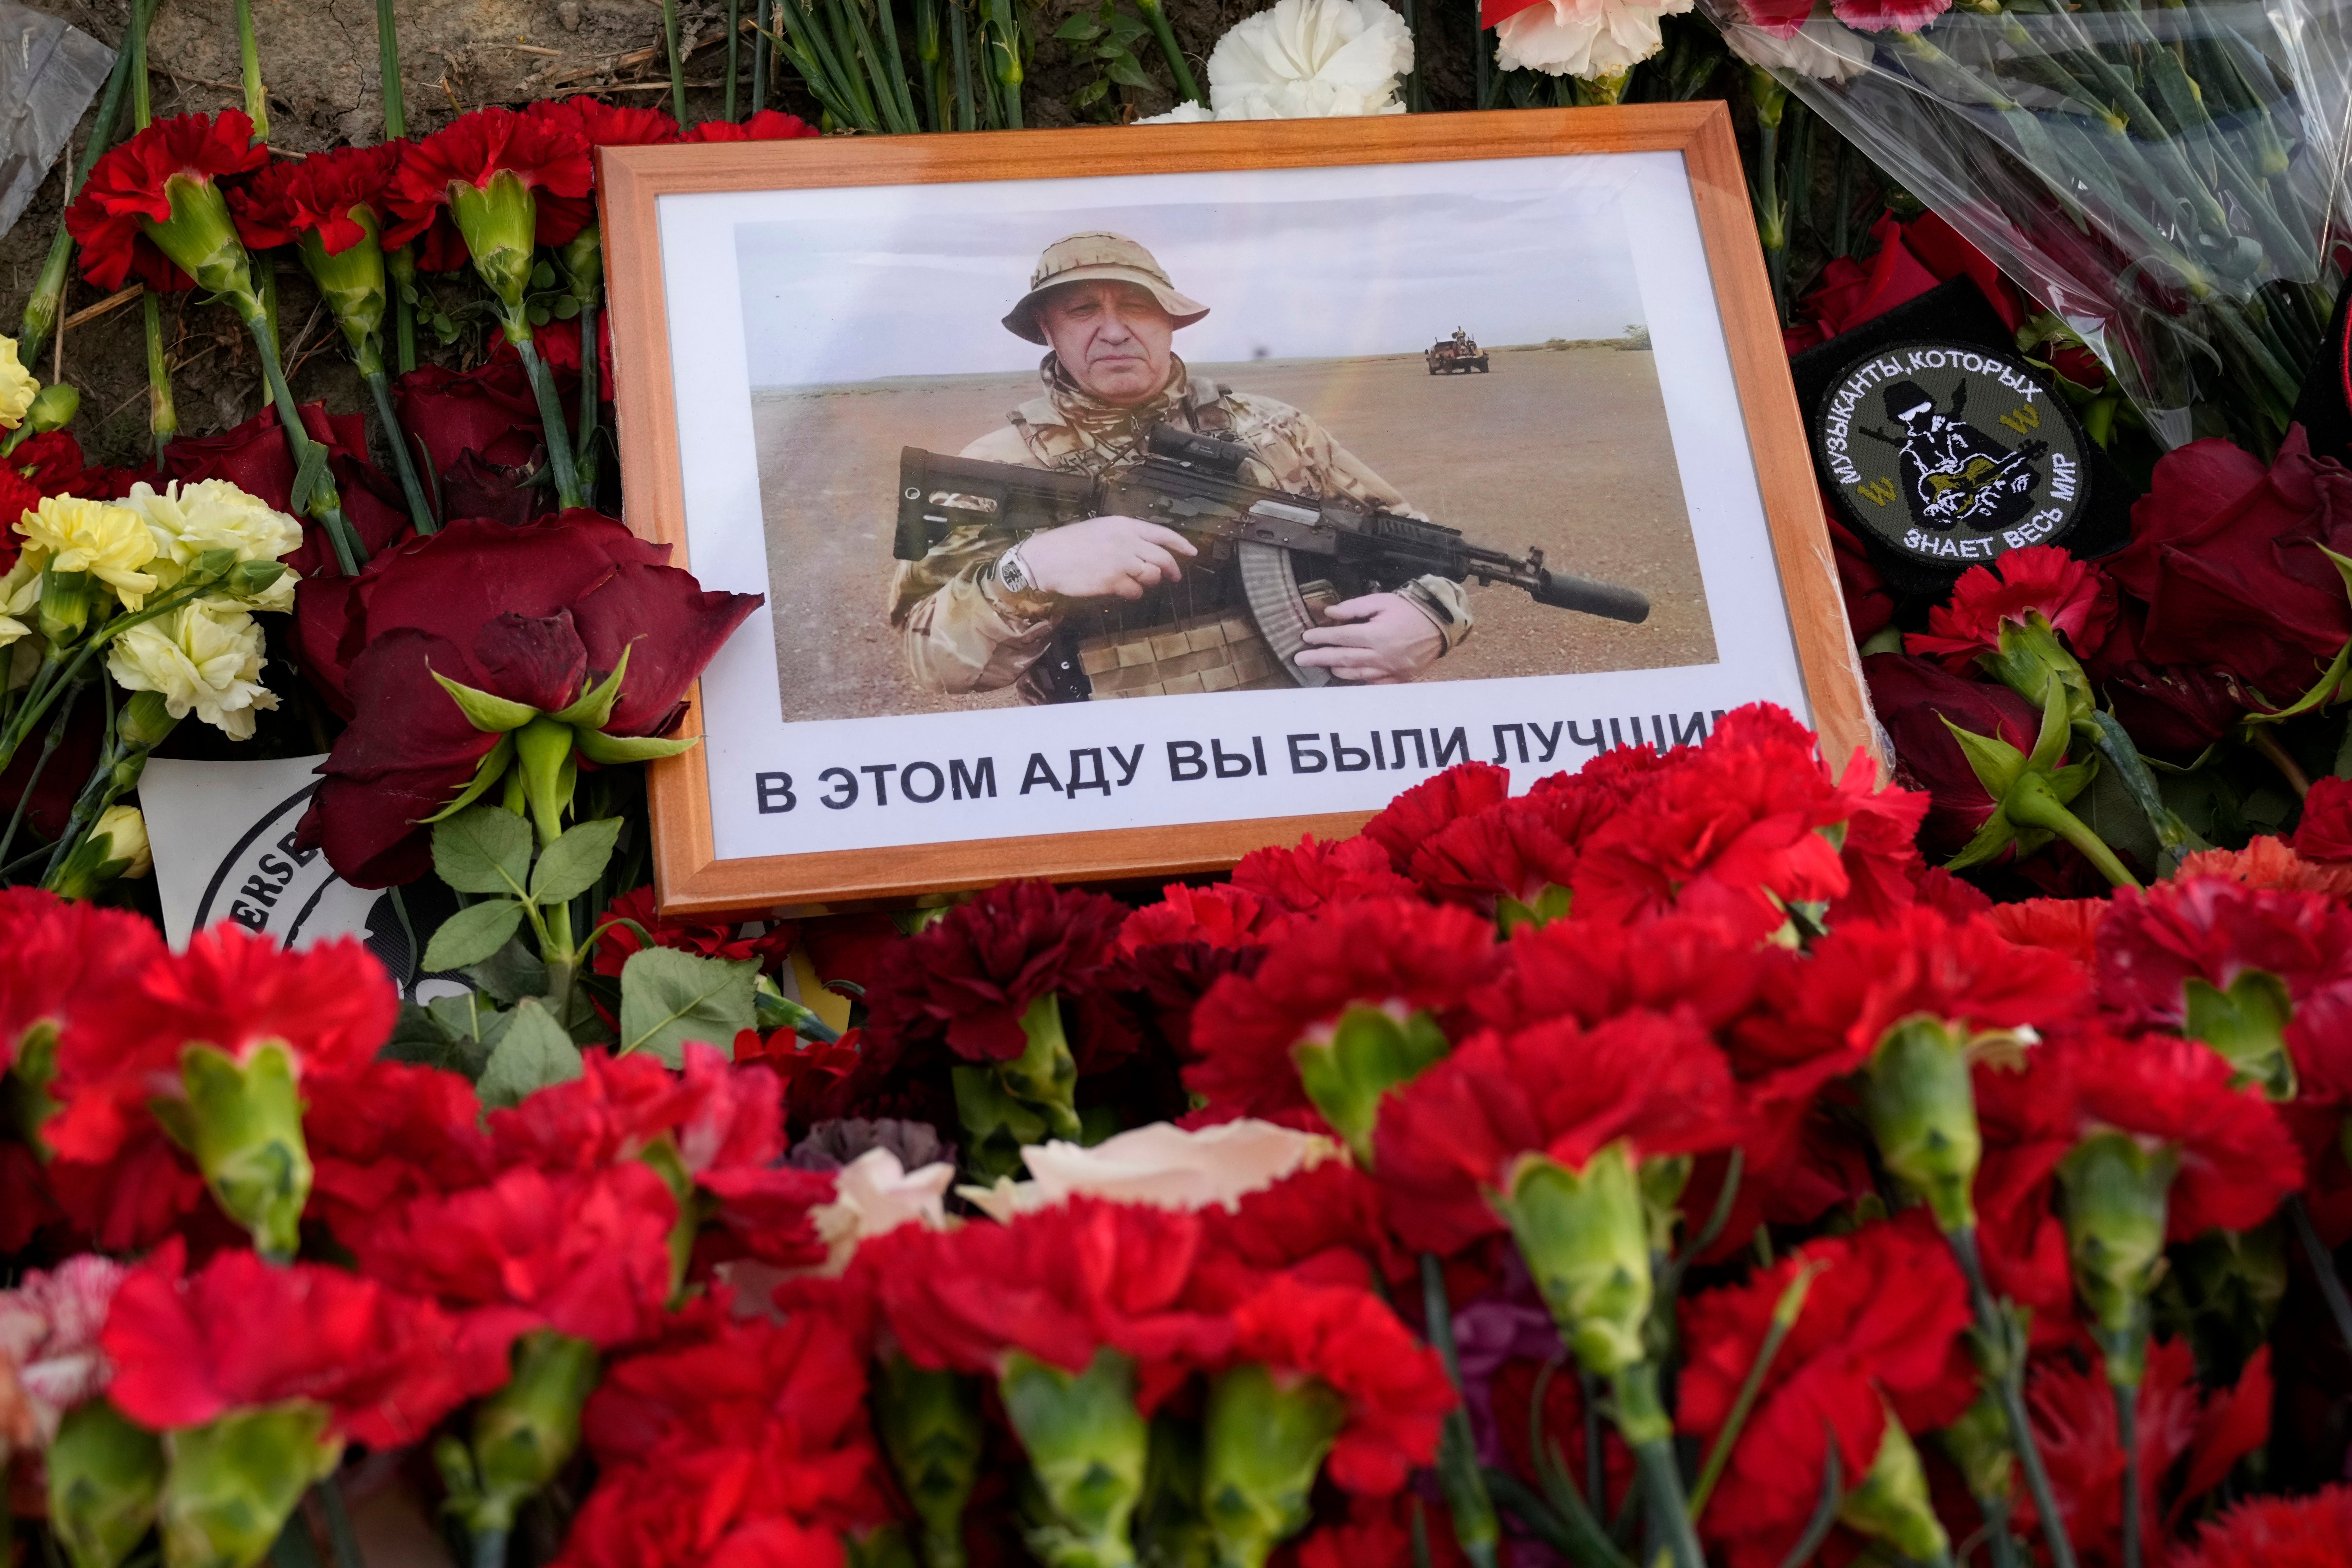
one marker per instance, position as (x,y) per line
(1126,499)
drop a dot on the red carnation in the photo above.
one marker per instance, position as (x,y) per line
(52,460)
(727,941)
(2313,1531)
(584,1254)
(1416,816)
(1058,1285)
(1592,970)
(1456,1132)
(1881,1336)
(1379,953)
(2068,926)
(538,150)
(537,613)
(743,1444)
(2237,1159)
(2231,555)
(1514,849)
(315,196)
(387,1132)
(331,1006)
(1306,878)
(717,1116)
(767,125)
(240,1332)
(2270,862)
(1878,15)
(2077,601)
(1345,1338)
(131,186)
(1383,1533)
(1730,830)
(1322,1224)
(1863,979)
(2073,1412)
(2025,1117)
(967,979)
(602,125)
(58,956)
(2153,944)
(2325,830)
(1219,915)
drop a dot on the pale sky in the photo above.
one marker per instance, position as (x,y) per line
(1292,263)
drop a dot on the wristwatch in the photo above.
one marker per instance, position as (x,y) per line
(1013,573)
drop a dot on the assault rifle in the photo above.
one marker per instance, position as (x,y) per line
(1193,484)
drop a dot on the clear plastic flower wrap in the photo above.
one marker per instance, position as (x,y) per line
(2165,176)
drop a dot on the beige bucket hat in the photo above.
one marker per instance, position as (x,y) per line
(1083,258)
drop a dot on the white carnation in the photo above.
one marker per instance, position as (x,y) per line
(204,658)
(1824,48)
(1161,1164)
(1187,112)
(1306,59)
(187,520)
(1586,38)
(875,1194)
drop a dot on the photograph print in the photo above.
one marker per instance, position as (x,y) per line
(1075,491)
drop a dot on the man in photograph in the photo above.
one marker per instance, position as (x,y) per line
(1117,607)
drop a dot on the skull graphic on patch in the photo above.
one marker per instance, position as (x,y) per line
(1950,453)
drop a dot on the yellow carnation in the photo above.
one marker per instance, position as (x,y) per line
(187,520)
(17,386)
(110,542)
(203,659)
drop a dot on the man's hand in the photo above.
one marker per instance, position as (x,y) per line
(1105,556)
(1389,641)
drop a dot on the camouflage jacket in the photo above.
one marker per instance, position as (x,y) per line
(961,630)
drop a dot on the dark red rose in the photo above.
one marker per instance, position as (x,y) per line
(254,458)
(2231,559)
(1869,604)
(1914,696)
(534,614)
(2325,832)
(489,409)
(473,488)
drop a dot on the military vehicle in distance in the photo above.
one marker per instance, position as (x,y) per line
(1458,354)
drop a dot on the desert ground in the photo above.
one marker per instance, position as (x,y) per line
(1563,448)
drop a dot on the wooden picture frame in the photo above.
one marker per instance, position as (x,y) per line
(693,877)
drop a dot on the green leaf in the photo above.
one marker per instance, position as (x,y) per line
(1089,93)
(542,276)
(1127,73)
(485,849)
(473,935)
(1079,29)
(670,998)
(510,973)
(610,751)
(535,1053)
(308,476)
(566,308)
(570,867)
(491,715)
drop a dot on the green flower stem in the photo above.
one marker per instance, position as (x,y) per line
(1005,43)
(322,503)
(420,511)
(677,94)
(1764,187)
(163,415)
(2033,804)
(927,61)
(339,1533)
(1642,1422)
(2127,1434)
(2001,1356)
(734,53)
(120,761)
(1784,1318)
(1477,1530)
(50,741)
(959,46)
(59,673)
(248,51)
(584,452)
(387,52)
(401,265)
(2174,837)
(489,1546)
(2323,1266)
(2260,738)
(551,415)
(762,47)
(892,80)
(1157,15)
(44,305)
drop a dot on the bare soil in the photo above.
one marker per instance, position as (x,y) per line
(1568,450)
